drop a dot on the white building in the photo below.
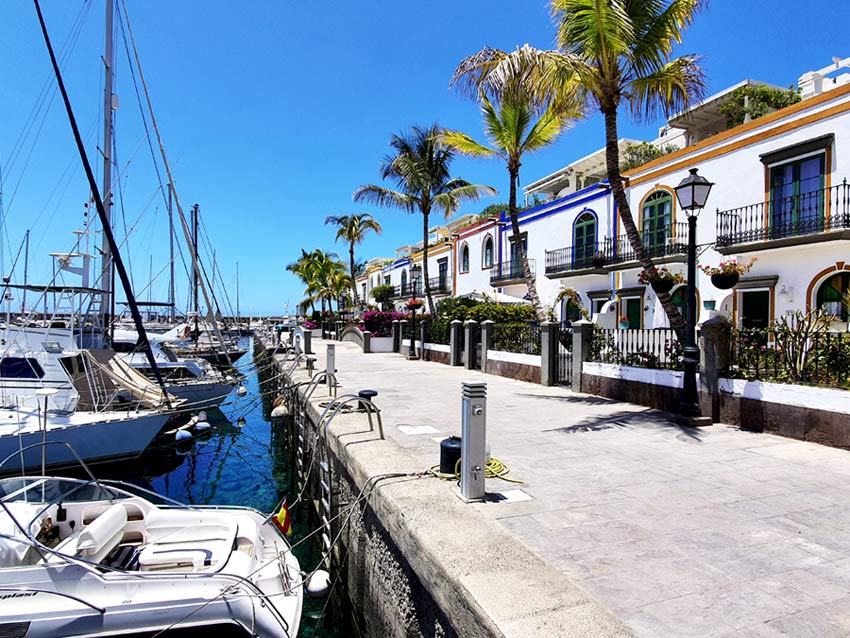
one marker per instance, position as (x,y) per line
(780,196)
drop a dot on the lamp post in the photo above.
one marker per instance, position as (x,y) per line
(692,193)
(415,278)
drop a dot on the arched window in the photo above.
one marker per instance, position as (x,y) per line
(834,295)
(584,240)
(657,215)
(464,258)
(404,282)
(570,311)
(488,252)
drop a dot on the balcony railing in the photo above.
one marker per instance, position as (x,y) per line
(796,216)
(407,290)
(440,285)
(666,241)
(573,258)
(510,272)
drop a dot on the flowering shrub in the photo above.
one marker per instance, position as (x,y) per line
(380,323)
(646,277)
(309,325)
(730,267)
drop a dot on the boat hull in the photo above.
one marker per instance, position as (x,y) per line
(95,440)
(200,395)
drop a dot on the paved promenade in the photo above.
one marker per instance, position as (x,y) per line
(709,532)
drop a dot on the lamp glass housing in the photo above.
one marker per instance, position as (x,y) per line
(692,193)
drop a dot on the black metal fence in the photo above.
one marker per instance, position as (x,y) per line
(407,330)
(519,338)
(565,355)
(787,356)
(650,348)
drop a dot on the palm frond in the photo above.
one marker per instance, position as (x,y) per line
(466,145)
(671,88)
(380,196)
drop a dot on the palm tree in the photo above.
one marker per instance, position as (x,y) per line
(317,270)
(620,50)
(419,165)
(353,229)
(615,51)
(515,124)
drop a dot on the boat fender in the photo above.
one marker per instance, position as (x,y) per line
(241,391)
(280,411)
(202,416)
(240,423)
(277,401)
(202,425)
(318,585)
(182,435)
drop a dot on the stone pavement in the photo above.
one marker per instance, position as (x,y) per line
(680,532)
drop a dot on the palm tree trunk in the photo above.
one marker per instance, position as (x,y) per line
(612,164)
(520,248)
(355,301)
(425,283)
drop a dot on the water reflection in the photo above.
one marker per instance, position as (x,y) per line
(241,460)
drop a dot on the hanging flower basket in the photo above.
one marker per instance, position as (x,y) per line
(662,285)
(725,281)
(414,304)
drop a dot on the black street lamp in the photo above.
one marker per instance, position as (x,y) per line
(692,193)
(415,278)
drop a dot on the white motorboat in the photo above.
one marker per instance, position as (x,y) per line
(50,391)
(92,558)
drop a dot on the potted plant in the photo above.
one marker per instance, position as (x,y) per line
(661,279)
(624,322)
(725,275)
(414,304)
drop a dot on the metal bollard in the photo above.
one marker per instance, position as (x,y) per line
(330,367)
(473,440)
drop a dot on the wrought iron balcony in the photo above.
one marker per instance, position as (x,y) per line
(668,241)
(440,285)
(510,272)
(407,290)
(787,220)
(573,258)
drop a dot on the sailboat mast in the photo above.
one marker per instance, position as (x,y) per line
(171,299)
(237,293)
(26,272)
(195,210)
(106,261)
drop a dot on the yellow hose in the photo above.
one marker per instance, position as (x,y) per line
(495,468)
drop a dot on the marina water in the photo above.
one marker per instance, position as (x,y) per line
(241,460)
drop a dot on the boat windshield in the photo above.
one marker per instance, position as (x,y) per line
(54,490)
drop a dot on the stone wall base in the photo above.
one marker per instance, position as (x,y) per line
(652,396)
(511,370)
(806,424)
(438,357)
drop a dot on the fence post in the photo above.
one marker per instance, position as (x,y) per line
(582,341)
(402,324)
(715,350)
(339,328)
(549,333)
(423,330)
(308,341)
(396,335)
(486,341)
(455,342)
(367,342)
(471,328)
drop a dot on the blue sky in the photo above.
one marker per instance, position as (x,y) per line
(274,112)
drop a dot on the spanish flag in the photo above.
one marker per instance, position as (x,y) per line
(281,519)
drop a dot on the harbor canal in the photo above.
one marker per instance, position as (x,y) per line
(241,460)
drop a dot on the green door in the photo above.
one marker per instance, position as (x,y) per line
(755,309)
(634,310)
